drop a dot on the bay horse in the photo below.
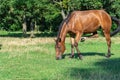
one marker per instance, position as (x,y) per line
(79,22)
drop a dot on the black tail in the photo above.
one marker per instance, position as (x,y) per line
(117,21)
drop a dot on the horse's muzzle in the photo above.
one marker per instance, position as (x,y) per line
(58,58)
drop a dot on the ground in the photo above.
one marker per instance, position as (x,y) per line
(34,59)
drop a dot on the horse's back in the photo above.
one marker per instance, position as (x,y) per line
(90,20)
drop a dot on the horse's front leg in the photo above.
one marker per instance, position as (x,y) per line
(72,46)
(77,38)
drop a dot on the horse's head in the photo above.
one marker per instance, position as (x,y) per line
(60,48)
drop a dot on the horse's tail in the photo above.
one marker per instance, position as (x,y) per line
(117,21)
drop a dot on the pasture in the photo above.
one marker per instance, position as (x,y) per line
(34,59)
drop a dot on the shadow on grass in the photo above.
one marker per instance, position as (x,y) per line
(0,46)
(84,54)
(11,34)
(110,65)
(20,34)
(106,69)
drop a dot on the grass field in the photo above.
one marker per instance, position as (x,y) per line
(34,59)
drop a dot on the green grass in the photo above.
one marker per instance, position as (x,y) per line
(34,59)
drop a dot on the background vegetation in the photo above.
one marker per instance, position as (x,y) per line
(46,15)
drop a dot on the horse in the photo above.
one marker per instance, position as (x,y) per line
(79,22)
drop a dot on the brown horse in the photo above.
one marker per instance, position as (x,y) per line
(79,22)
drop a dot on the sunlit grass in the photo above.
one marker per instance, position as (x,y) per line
(34,59)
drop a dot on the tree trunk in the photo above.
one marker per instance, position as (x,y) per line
(24,25)
(63,14)
(32,25)
(36,27)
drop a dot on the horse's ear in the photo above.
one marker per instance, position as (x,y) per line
(55,40)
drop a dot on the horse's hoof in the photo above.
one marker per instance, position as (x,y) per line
(108,56)
(83,39)
(80,57)
(71,56)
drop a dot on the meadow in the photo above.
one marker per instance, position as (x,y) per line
(34,59)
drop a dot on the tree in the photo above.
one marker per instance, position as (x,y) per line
(38,12)
(7,15)
(47,14)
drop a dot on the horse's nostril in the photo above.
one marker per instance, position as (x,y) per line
(58,58)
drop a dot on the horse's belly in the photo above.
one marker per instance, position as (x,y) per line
(90,30)
(91,26)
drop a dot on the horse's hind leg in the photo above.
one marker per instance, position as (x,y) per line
(106,26)
(107,36)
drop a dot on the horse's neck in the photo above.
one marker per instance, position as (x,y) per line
(63,32)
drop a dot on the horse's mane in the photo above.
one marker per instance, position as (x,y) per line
(66,20)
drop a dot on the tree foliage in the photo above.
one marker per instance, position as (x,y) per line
(47,14)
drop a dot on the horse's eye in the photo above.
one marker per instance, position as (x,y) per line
(57,47)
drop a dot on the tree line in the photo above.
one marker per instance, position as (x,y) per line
(46,15)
